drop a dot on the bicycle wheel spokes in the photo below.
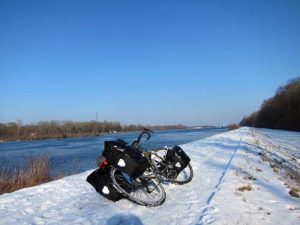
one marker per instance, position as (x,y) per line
(148,190)
(170,174)
(158,160)
(143,190)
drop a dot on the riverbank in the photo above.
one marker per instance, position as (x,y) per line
(37,172)
(56,136)
(240,177)
(68,129)
(64,136)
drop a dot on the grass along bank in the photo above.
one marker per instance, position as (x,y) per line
(36,172)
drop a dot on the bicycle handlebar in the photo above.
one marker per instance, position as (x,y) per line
(136,143)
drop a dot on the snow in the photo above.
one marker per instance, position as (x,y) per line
(288,140)
(222,164)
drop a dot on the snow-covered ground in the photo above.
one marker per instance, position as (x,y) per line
(240,177)
(288,139)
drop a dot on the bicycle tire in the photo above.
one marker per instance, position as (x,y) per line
(187,173)
(137,192)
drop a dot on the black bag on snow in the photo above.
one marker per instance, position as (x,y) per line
(178,158)
(125,158)
(100,180)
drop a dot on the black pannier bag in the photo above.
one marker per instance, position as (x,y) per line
(100,180)
(178,158)
(125,158)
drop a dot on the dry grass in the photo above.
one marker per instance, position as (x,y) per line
(294,192)
(247,187)
(233,126)
(36,173)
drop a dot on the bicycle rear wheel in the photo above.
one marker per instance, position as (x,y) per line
(158,159)
(145,190)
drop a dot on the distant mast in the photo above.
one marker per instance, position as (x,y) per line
(96,125)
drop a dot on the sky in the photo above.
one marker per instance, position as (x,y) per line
(148,62)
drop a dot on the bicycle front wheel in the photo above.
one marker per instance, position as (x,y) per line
(185,176)
(145,190)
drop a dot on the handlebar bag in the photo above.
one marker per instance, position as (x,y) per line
(178,158)
(100,180)
(125,158)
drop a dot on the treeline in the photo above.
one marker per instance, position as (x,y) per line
(64,129)
(282,111)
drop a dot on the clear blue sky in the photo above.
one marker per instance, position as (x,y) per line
(150,62)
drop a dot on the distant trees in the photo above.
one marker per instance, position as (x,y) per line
(233,126)
(64,129)
(282,111)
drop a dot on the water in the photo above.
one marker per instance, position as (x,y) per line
(75,155)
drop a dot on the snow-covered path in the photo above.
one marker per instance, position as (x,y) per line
(222,164)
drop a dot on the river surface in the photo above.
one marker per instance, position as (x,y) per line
(75,155)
